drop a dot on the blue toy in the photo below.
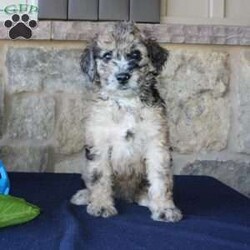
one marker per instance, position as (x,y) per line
(4,180)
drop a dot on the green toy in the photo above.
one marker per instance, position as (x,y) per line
(13,210)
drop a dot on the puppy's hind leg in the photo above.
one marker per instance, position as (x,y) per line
(141,197)
(81,197)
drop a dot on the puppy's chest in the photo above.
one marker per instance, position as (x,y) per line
(126,139)
(126,123)
(126,128)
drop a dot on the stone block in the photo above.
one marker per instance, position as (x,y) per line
(70,126)
(25,68)
(243,101)
(194,86)
(24,158)
(42,31)
(63,72)
(75,31)
(32,69)
(31,117)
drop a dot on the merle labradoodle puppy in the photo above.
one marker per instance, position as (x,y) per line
(127,147)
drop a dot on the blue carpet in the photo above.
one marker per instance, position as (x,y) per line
(215,217)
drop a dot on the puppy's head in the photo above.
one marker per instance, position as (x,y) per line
(120,60)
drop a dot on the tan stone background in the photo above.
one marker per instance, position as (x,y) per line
(206,88)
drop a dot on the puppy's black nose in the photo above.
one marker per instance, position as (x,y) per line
(123,78)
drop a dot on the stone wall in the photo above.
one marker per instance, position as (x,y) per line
(206,88)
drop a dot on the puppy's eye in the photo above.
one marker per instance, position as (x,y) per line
(107,56)
(135,55)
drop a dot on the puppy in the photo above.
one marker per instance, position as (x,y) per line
(127,149)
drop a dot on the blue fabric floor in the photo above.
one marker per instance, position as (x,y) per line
(215,217)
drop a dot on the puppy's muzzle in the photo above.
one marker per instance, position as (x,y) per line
(123,78)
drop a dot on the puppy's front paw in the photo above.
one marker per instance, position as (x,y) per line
(167,215)
(103,211)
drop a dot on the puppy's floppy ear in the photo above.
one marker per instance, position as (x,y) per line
(157,54)
(88,63)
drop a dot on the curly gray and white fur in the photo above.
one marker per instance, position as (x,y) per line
(127,147)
